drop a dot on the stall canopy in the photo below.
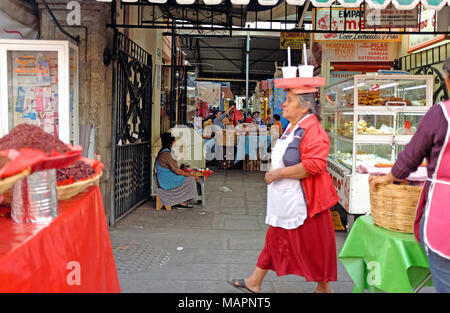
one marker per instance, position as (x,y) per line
(378,4)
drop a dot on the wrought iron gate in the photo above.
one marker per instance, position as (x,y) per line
(426,63)
(131,129)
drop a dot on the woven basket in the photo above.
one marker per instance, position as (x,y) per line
(68,191)
(394,207)
(8,182)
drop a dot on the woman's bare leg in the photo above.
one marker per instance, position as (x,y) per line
(324,287)
(255,280)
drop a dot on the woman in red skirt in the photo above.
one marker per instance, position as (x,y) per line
(300,239)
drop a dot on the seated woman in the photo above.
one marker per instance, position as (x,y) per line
(175,186)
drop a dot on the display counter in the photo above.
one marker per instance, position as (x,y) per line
(71,254)
(369,120)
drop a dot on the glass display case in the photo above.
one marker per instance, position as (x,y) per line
(39,85)
(369,120)
(391,91)
(375,124)
(329,122)
(345,124)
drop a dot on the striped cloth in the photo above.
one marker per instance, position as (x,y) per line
(187,191)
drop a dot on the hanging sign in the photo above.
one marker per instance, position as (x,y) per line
(359,51)
(337,76)
(294,40)
(429,20)
(345,19)
(390,17)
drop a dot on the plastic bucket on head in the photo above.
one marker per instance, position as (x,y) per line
(305,70)
(289,71)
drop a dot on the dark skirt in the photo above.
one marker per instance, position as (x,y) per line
(187,191)
(308,250)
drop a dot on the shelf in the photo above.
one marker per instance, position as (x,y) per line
(389,109)
(334,109)
(374,139)
(339,137)
(377,109)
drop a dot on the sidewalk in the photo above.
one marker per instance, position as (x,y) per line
(197,250)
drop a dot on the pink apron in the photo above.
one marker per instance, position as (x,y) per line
(437,209)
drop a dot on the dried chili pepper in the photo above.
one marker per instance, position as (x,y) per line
(31,136)
(76,171)
(3,160)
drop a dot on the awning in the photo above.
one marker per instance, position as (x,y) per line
(378,4)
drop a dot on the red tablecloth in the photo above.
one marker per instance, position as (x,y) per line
(71,254)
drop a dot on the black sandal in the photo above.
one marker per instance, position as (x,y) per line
(241,285)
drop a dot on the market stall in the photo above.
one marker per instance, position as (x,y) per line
(252,145)
(61,256)
(49,215)
(369,120)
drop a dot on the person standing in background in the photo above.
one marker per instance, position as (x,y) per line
(277,124)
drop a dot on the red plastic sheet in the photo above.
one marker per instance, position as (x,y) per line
(71,254)
(57,160)
(20,160)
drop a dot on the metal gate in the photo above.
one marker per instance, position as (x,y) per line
(131,129)
(425,63)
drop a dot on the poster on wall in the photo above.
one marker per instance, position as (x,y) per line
(33,81)
(429,20)
(390,17)
(345,19)
(359,51)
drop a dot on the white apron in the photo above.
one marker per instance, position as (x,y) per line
(286,205)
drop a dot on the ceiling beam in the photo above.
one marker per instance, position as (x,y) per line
(256,61)
(222,55)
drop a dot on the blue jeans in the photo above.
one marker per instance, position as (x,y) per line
(439,266)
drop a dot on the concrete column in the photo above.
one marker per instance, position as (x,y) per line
(95,79)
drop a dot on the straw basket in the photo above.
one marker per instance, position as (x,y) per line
(8,182)
(394,207)
(68,191)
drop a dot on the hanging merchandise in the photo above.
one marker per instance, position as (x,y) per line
(202,108)
(236,117)
(210,93)
(276,100)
